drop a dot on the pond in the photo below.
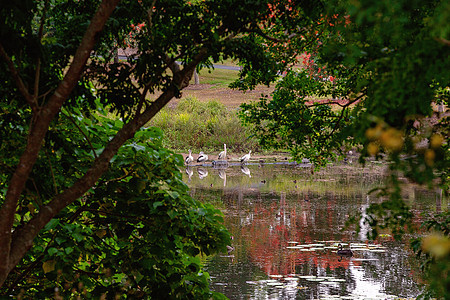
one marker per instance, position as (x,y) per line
(287,223)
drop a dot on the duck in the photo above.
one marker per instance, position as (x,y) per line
(189,158)
(344,252)
(202,157)
(223,154)
(245,158)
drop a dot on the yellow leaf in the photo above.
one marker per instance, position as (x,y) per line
(436,141)
(48,266)
(100,233)
(372,148)
(437,245)
(31,208)
(429,157)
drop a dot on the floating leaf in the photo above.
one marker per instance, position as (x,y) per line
(291,278)
(328,282)
(315,279)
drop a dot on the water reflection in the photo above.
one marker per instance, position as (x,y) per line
(287,225)
(189,173)
(223,176)
(202,172)
(245,170)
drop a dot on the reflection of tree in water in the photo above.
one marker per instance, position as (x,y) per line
(267,223)
(263,221)
(391,270)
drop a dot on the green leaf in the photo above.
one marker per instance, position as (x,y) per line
(52,251)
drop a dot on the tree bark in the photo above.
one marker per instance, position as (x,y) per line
(22,239)
(38,129)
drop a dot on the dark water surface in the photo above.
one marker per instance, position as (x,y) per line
(287,223)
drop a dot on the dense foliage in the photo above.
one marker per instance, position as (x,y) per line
(370,82)
(136,233)
(93,205)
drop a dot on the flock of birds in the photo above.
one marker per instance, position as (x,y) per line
(202,157)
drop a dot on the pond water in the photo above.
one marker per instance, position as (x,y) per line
(286,225)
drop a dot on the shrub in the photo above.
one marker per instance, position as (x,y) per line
(203,126)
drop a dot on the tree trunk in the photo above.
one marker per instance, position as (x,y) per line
(39,127)
(196,79)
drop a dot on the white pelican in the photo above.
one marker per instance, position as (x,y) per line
(223,154)
(202,157)
(189,158)
(245,158)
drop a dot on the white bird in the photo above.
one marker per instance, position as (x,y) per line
(223,154)
(245,158)
(202,157)
(189,158)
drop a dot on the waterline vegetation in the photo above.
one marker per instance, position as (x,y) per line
(203,126)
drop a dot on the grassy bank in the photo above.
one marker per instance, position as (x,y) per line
(203,126)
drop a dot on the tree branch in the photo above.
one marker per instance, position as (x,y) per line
(82,132)
(18,80)
(23,238)
(37,133)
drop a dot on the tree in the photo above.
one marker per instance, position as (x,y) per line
(387,65)
(78,187)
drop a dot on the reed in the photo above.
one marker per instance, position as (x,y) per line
(203,126)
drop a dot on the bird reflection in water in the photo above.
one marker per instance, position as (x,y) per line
(189,173)
(202,173)
(223,175)
(246,170)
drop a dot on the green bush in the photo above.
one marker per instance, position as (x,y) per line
(203,126)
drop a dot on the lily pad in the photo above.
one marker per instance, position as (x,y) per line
(328,282)
(337,280)
(294,247)
(315,279)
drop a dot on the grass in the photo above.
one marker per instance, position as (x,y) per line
(203,126)
(218,77)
